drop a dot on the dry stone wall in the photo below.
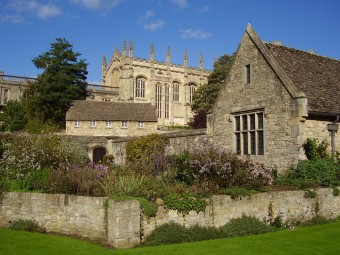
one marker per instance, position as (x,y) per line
(122,225)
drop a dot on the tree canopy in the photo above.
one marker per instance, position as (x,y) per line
(63,80)
(205,95)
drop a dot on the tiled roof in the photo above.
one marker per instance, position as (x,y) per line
(316,76)
(114,111)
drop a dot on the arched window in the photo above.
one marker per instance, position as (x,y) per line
(98,154)
(140,87)
(166,101)
(192,89)
(175,92)
(158,97)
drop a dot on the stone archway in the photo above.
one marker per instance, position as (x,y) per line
(98,154)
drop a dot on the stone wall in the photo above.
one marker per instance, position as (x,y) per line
(122,225)
(178,141)
(292,206)
(95,218)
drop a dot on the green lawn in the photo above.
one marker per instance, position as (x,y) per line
(324,239)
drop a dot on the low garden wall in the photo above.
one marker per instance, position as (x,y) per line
(121,224)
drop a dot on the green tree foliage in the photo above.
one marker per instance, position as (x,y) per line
(13,117)
(205,95)
(62,81)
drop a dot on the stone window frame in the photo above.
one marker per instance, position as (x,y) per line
(166,101)
(77,123)
(140,124)
(175,91)
(140,87)
(92,123)
(124,124)
(158,97)
(247,74)
(108,124)
(192,89)
(249,132)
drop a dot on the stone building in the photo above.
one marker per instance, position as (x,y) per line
(13,87)
(95,118)
(168,86)
(274,99)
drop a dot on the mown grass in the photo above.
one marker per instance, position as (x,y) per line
(323,239)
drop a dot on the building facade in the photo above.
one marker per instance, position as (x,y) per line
(95,118)
(168,86)
(274,99)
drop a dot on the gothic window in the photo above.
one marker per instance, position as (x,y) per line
(158,97)
(175,92)
(166,101)
(192,89)
(249,138)
(140,87)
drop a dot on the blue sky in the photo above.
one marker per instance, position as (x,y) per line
(211,27)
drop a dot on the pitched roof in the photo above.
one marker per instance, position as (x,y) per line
(304,75)
(98,110)
(316,76)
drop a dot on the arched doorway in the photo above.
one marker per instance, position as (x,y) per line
(98,154)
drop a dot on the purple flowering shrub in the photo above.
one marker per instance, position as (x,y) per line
(80,180)
(220,168)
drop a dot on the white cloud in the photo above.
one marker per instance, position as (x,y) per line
(148,23)
(21,8)
(194,33)
(97,4)
(11,19)
(181,3)
(154,25)
(47,11)
(204,9)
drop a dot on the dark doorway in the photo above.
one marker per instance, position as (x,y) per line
(98,154)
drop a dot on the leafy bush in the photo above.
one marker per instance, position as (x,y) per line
(316,220)
(219,168)
(315,150)
(27,225)
(146,154)
(78,180)
(171,233)
(322,171)
(14,116)
(149,208)
(184,203)
(309,194)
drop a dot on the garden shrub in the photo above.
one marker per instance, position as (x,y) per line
(220,168)
(237,192)
(27,225)
(147,154)
(245,225)
(184,203)
(323,172)
(78,180)
(149,208)
(316,220)
(315,150)
(171,233)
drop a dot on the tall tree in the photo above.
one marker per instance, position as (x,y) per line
(205,95)
(62,81)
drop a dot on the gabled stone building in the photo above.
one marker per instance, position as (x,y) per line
(95,118)
(274,99)
(168,86)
